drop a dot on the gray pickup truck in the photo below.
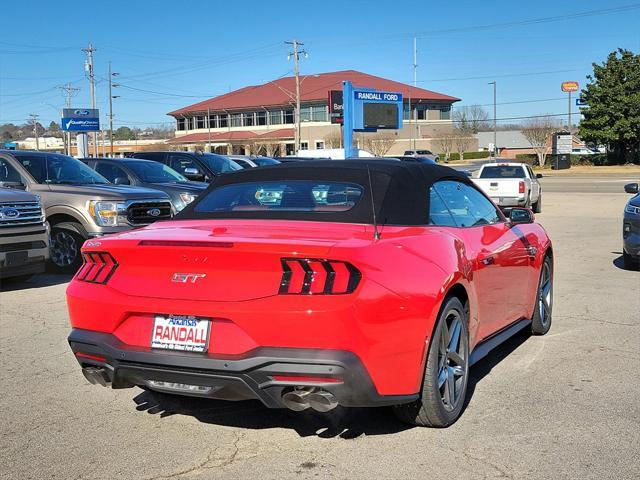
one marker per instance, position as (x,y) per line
(24,234)
(79,203)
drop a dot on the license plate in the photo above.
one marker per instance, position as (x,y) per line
(181,332)
(16,258)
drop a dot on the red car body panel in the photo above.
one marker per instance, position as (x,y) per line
(386,322)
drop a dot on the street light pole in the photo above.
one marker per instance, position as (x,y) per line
(495,122)
(92,88)
(34,117)
(296,70)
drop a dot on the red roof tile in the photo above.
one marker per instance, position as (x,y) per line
(312,88)
(234,135)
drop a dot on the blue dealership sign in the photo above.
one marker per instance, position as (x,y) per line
(80,120)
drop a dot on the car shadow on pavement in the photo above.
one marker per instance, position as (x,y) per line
(37,281)
(341,422)
(481,369)
(619,261)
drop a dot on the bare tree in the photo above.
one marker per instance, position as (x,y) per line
(470,119)
(462,142)
(333,140)
(444,143)
(537,132)
(379,144)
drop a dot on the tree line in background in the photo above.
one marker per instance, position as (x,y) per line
(10,132)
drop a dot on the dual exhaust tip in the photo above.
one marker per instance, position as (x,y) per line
(301,398)
(96,376)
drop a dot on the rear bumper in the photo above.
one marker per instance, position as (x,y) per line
(240,377)
(509,201)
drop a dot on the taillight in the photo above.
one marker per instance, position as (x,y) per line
(311,276)
(521,187)
(97,267)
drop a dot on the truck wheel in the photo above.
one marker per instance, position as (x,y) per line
(444,386)
(537,207)
(66,241)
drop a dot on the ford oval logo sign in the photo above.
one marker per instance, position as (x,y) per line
(9,213)
(82,113)
(153,212)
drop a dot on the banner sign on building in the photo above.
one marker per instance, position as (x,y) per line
(80,120)
(336,106)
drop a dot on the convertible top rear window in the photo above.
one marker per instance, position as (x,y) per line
(282,196)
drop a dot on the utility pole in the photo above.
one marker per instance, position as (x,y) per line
(209,129)
(495,124)
(415,84)
(68,91)
(34,118)
(296,68)
(92,88)
(111,97)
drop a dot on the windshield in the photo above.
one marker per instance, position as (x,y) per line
(282,196)
(503,171)
(59,169)
(219,164)
(155,172)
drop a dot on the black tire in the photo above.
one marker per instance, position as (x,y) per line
(66,241)
(537,207)
(543,308)
(443,369)
(629,262)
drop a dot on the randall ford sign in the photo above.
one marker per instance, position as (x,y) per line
(80,120)
(570,87)
(378,96)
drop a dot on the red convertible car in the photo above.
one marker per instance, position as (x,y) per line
(353,283)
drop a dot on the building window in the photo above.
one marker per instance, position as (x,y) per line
(275,117)
(319,113)
(212,121)
(305,114)
(261,118)
(288,116)
(248,119)
(236,119)
(445,113)
(200,122)
(304,145)
(223,121)
(319,144)
(180,124)
(406,111)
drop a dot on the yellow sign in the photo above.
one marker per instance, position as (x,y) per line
(570,86)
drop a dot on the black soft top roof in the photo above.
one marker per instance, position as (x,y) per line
(400,190)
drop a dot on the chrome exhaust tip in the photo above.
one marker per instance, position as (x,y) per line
(96,376)
(296,399)
(322,401)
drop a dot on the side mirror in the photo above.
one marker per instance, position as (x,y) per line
(193,174)
(521,215)
(538,175)
(631,188)
(121,181)
(191,171)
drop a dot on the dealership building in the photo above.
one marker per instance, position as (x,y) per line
(260,119)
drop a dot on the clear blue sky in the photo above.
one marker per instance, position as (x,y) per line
(200,49)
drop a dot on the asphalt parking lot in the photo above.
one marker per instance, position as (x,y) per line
(560,406)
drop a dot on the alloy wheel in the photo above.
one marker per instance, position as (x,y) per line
(64,248)
(452,361)
(545,294)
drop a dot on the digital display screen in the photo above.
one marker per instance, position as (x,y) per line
(381,115)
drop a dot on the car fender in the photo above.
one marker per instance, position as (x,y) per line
(70,211)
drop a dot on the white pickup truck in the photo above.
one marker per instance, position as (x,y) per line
(511,185)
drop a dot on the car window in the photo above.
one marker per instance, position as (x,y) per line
(282,196)
(219,163)
(264,161)
(502,171)
(180,162)
(154,172)
(439,214)
(8,173)
(110,171)
(468,206)
(59,169)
